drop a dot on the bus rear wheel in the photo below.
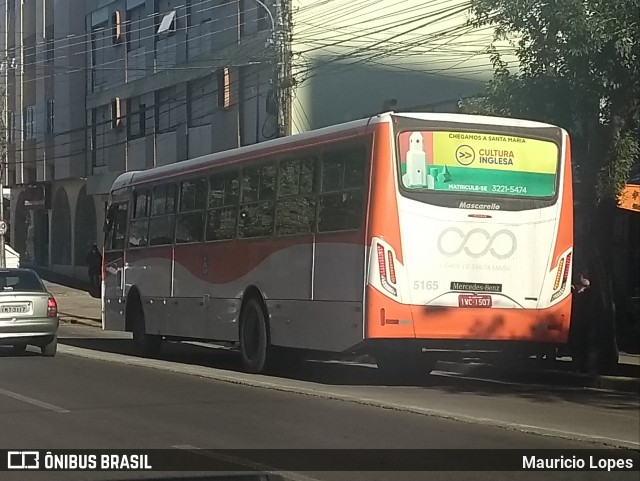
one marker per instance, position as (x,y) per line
(147,345)
(254,336)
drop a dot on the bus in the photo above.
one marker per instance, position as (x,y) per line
(404,236)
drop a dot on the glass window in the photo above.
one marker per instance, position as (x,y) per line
(258,183)
(169,109)
(340,211)
(202,101)
(332,174)
(137,118)
(139,233)
(193,195)
(296,177)
(164,200)
(343,169)
(190,227)
(24,281)
(256,220)
(224,189)
(222,223)
(267,182)
(354,167)
(250,183)
(141,204)
(161,230)
(295,215)
(116,227)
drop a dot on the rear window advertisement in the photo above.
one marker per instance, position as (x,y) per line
(477,163)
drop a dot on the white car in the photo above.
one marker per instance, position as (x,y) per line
(28,312)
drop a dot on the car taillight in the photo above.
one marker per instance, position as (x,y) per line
(52,308)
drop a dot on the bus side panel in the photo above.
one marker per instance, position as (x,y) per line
(114,306)
(331,318)
(149,271)
(192,293)
(326,326)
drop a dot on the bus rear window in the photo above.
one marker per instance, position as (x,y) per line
(477,163)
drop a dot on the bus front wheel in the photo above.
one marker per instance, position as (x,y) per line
(254,339)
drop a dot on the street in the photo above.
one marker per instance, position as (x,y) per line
(96,394)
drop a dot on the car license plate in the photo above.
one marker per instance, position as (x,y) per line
(471,300)
(14,308)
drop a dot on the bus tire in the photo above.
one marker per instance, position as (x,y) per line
(147,345)
(254,335)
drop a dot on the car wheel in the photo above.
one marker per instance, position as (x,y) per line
(147,345)
(49,350)
(253,336)
(20,347)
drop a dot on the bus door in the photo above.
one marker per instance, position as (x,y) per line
(114,264)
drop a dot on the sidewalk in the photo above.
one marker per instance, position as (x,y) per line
(77,305)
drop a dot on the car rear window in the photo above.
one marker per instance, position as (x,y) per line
(20,281)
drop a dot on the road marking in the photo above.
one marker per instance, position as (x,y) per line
(33,401)
(210,453)
(311,389)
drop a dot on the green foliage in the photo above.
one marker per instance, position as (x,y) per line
(579,67)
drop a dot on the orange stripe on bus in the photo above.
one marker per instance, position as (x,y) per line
(383,215)
(565,221)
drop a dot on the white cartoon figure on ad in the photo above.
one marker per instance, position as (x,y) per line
(416,175)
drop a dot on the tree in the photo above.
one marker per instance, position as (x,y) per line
(579,67)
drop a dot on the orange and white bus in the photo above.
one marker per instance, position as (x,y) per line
(400,235)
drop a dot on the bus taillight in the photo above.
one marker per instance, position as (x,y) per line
(562,273)
(556,284)
(392,268)
(382,268)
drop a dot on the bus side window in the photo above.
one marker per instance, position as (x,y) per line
(222,213)
(257,209)
(115,241)
(139,225)
(342,189)
(190,220)
(296,206)
(163,207)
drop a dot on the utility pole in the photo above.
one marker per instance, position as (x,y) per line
(280,41)
(283,68)
(3,163)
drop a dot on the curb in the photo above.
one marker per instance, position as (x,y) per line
(564,378)
(80,320)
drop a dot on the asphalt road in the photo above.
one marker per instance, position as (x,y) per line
(101,398)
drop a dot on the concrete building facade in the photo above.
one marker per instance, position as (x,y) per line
(98,87)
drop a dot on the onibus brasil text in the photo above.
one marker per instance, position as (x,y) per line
(116,462)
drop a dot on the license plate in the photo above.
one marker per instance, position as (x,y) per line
(470,300)
(14,309)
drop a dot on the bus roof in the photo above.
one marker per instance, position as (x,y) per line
(177,168)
